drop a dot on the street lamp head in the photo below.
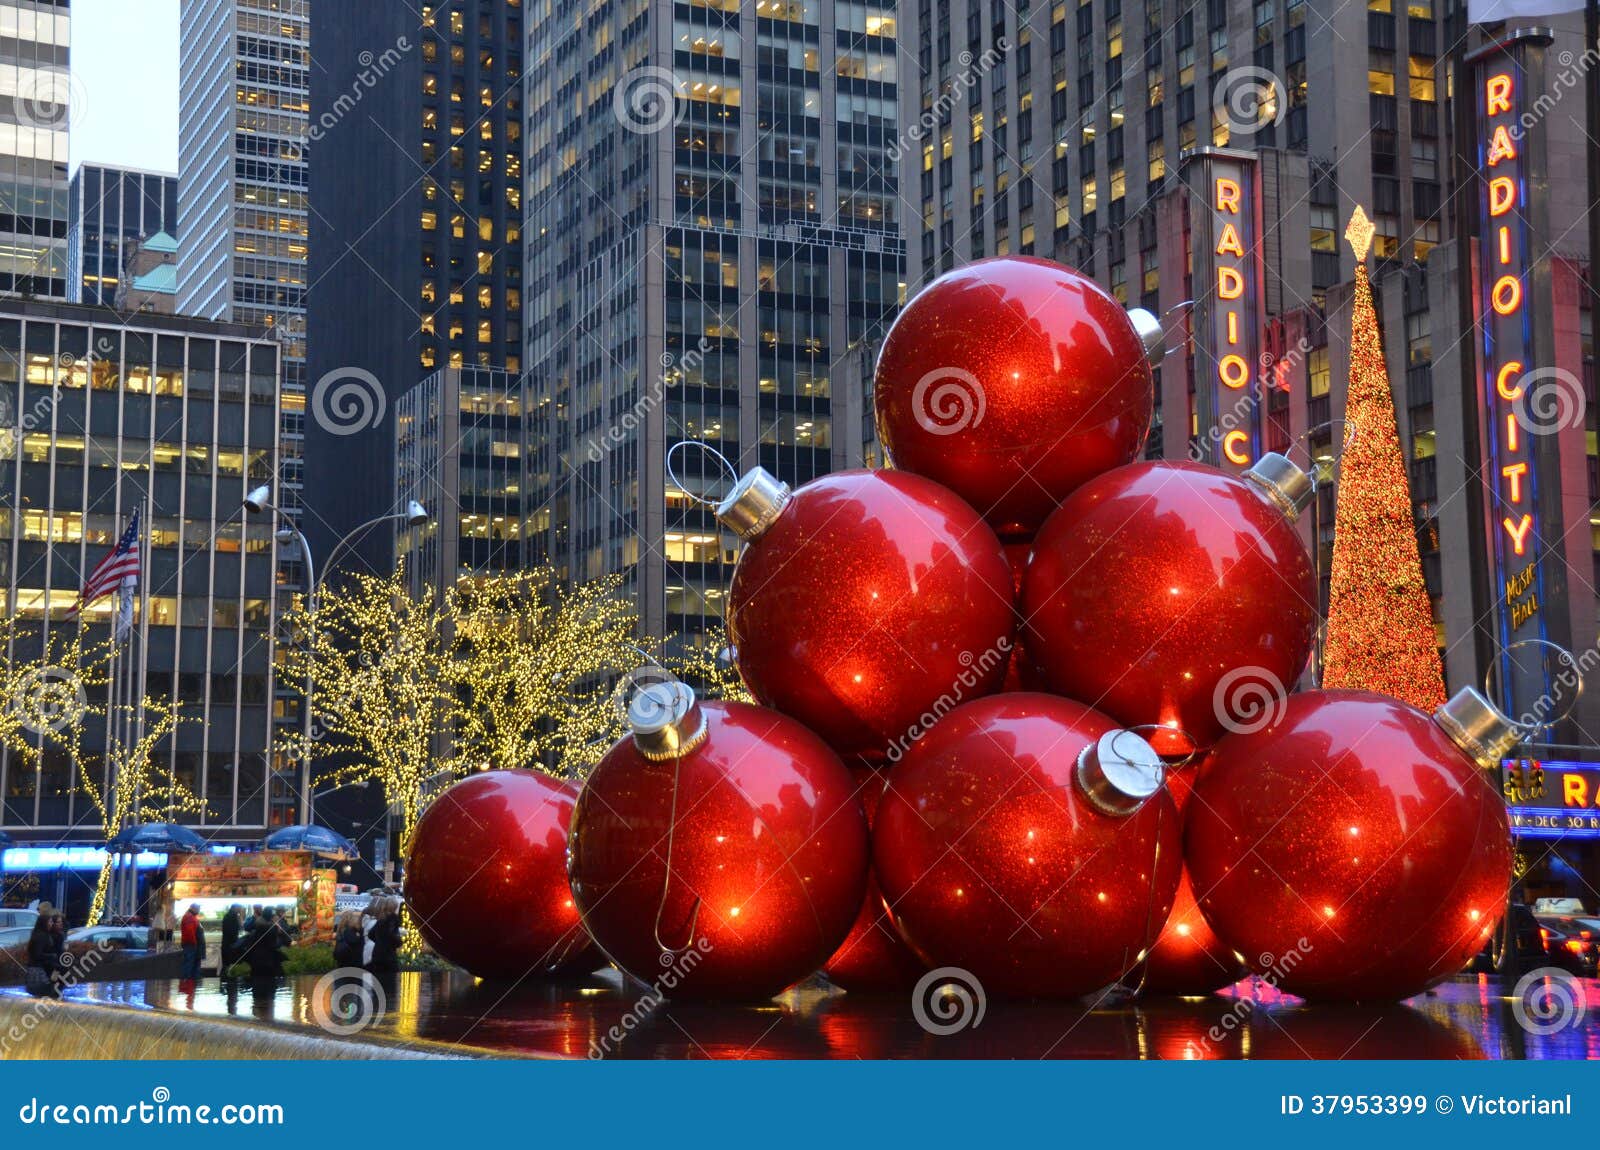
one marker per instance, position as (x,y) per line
(416,514)
(258,499)
(284,536)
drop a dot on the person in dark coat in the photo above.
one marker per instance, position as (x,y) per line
(267,944)
(232,922)
(349,940)
(385,936)
(46,945)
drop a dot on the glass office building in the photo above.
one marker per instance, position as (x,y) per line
(35,78)
(111,211)
(176,417)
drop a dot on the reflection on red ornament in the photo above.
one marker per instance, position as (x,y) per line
(1350,849)
(996,859)
(486,879)
(1012,381)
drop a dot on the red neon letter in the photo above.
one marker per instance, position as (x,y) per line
(1514,472)
(1500,147)
(1502,194)
(1233,371)
(1230,244)
(1235,455)
(1510,393)
(1228,194)
(1506,295)
(1230,284)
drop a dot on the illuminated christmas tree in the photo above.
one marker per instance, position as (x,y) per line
(1380,634)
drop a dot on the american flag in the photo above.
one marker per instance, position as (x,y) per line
(121,564)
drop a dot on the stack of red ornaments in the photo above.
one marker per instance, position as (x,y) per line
(996,649)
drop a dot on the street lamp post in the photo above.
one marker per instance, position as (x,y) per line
(259,500)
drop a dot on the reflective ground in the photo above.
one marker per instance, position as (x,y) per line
(601,1017)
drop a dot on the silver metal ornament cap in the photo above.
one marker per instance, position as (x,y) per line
(1147,325)
(666,720)
(1478,727)
(1282,482)
(1119,772)
(754,504)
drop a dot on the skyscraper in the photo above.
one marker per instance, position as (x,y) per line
(417,238)
(111,212)
(242,129)
(713,231)
(35,59)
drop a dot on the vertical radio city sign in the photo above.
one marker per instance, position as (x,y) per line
(1225,258)
(1511,306)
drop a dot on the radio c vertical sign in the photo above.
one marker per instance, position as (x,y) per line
(1224,231)
(1513,308)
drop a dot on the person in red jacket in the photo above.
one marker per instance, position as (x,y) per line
(193,938)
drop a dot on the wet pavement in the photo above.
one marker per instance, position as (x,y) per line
(1470,1017)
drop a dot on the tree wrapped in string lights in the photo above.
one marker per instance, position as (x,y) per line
(1380,633)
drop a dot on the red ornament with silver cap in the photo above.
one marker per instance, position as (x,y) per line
(486,878)
(1355,847)
(1175,595)
(719,849)
(1012,381)
(1029,840)
(862,599)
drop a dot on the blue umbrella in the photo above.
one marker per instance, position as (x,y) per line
(161,838)
(318,840)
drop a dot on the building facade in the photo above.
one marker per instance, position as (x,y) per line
(111,212)
(713,230)
(35,75)
(416,243)
(175,417)
(461,440)
(242,140)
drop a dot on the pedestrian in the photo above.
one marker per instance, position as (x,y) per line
(385,936)
(46,945)
(349,940)
(232,924)
(264,951)
(192,937)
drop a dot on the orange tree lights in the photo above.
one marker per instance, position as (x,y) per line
(1380,633)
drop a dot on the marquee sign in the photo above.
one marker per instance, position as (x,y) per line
(1552,799)
(1513,306)
(1224,231)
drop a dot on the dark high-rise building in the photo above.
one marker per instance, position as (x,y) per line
(111,212)
(713,234)
(416,158)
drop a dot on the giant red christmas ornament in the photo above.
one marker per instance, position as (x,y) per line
(1175,594)
(863,599)
(1188,957)
(1013,380)
(1029,841)
(718,851)
(1353,848)
(486,878)
(873,957)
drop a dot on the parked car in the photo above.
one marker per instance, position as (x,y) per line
(11,936)
(1540,942)
(12,917)
(1571,951)
(114,937)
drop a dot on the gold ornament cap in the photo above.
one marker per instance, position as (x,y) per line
(1283,482)
(1148,328)
(754,504)
(666,720)
(1119,772)
(1478,727)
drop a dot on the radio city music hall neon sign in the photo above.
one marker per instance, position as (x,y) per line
(1233,323)
(1502,268)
